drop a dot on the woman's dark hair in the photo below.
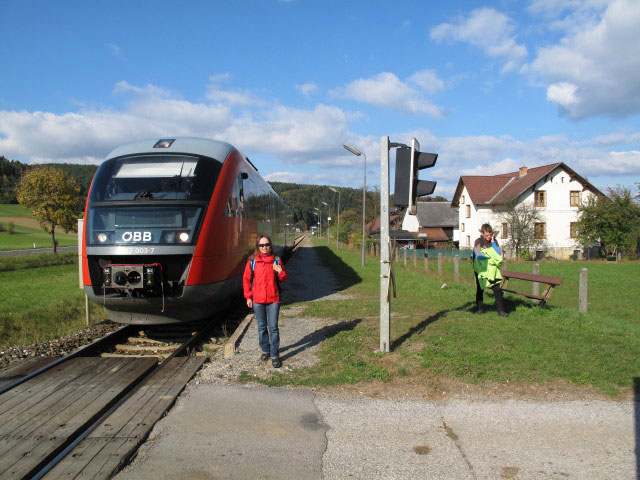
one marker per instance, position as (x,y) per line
(257,250)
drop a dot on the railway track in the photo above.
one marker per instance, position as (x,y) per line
(85,414)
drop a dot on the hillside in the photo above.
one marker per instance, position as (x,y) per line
(301,198)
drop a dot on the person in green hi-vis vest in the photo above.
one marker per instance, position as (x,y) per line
(487,260)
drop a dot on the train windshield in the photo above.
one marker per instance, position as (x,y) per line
(147,224)
(155,177)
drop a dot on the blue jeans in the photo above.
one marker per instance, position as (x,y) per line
(267,317)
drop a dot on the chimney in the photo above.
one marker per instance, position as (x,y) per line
(522,172)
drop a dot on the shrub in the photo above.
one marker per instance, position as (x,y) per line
(11,228)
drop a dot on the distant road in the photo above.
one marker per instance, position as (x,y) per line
(29,251)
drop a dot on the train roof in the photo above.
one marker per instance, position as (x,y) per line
(193,145)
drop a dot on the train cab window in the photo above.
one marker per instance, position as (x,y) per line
(155,177)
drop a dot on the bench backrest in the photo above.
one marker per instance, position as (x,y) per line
(532,277)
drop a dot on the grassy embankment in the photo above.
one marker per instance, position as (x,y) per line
(26,231)
(41,299)
(434,332)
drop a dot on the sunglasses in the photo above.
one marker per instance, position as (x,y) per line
(264,244)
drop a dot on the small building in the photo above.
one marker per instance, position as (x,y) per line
(556,190)
(438,223)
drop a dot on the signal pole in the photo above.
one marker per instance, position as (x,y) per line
(385,261)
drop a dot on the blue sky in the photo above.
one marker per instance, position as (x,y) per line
(489,86)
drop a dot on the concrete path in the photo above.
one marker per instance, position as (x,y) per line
(223,430)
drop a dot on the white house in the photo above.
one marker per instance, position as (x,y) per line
(555,189)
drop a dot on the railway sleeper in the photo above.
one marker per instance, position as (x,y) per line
(146,348)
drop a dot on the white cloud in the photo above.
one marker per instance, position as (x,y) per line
(487,29)
(307,89)
(386,90)
(308,141)
(216,93)
(595,68)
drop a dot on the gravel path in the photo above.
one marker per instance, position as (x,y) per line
(300,336)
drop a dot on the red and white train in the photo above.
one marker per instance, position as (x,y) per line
(169,225)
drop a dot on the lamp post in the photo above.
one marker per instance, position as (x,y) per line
(319,222)
(357,152)
(338,230)
(328,218)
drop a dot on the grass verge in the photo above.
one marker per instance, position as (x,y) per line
(42,303)
(435,333)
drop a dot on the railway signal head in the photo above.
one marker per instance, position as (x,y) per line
(409,161)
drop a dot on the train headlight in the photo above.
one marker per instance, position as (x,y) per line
(102,237)
(183,236)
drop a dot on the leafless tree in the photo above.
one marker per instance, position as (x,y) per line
(520,219)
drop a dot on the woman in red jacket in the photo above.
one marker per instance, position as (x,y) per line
(263,294)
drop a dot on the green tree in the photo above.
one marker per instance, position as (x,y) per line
(613,221)
(52,198)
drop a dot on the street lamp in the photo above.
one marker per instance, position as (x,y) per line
(328,218)
(357,152)
(320,222)
(338,230)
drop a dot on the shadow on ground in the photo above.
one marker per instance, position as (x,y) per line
(314,338)
(308,281)
(425,323)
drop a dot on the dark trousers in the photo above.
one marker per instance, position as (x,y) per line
(497,291)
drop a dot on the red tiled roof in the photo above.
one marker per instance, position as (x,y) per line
(505,187)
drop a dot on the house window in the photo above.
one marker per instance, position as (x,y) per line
(468,240)
(462,227)
(574,198)
(539,230)
(462,200)
(540,198)
(505,230)
(468,211)
(573,231)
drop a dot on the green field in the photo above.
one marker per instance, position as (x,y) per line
(25,237)
(434,331)
(40,304)
(10,210)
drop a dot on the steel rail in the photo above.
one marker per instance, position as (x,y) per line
(82,351)
(37,474)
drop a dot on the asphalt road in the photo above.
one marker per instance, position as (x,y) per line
(31,251)
(240,432)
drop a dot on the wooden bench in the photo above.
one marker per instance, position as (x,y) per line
(551,282)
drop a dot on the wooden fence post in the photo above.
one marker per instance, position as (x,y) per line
(426,262)
(582,300)
(439,264)
(535,287)
(404,253)
(456,261)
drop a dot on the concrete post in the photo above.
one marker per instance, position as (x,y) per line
(439,264)
(404,250)
(582,300)
(426,262)
(415,257)
(385,260)
(535,288)
(456,261)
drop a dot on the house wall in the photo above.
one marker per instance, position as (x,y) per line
(557,215)
(468,227)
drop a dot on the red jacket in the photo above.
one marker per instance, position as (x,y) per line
(264,288)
